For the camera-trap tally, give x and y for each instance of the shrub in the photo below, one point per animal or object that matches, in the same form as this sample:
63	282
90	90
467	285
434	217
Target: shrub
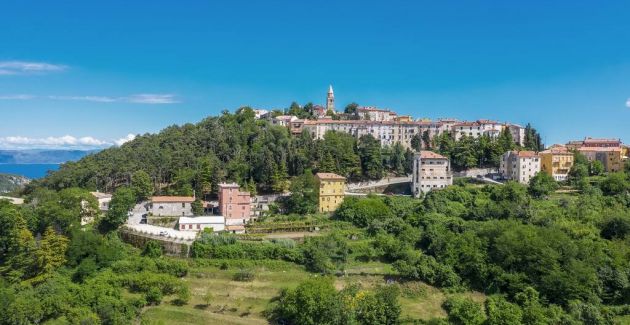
153	296
152	249
464	311
244	275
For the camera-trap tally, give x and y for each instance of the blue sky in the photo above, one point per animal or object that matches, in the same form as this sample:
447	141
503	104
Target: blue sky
87	73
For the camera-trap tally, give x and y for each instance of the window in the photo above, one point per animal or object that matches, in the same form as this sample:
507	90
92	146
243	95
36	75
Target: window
190	226
198	226
183	205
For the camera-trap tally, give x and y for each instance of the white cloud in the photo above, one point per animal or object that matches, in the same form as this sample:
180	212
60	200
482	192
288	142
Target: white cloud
628	102
153	99
16	97
122	141
24	67
62	142
99	99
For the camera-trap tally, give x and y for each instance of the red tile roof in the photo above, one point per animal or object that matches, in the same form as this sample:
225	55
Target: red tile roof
600	149
330	176
526	154
557	149
173	199
430	155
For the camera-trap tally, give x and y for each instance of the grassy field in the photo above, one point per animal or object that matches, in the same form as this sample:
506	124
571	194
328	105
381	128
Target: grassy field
235	302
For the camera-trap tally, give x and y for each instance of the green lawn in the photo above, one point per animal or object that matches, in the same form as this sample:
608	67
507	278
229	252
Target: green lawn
236	302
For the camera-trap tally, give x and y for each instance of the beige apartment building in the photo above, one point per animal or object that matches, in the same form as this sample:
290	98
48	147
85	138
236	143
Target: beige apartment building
431	171
520	166
557	162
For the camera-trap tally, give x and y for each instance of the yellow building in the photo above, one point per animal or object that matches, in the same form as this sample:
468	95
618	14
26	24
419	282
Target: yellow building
331	191
557	162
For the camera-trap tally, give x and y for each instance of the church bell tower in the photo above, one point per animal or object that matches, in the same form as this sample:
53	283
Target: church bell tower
330	100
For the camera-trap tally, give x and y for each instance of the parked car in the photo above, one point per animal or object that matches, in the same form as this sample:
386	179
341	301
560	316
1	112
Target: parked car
163	233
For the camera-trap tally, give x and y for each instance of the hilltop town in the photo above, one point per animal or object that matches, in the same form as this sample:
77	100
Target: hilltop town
207	221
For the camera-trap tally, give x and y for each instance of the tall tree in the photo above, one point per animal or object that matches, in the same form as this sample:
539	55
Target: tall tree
370	155
120	205
141	185
51	252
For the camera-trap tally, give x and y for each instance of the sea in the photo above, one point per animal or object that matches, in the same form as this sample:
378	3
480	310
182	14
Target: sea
32	171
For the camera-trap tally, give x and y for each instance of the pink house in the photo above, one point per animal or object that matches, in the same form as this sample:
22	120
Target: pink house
234	205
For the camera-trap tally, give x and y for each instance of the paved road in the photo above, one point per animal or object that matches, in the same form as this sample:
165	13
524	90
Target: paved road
382	182
133	224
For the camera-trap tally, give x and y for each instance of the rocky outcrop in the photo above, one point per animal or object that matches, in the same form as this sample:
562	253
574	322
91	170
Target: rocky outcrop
9	183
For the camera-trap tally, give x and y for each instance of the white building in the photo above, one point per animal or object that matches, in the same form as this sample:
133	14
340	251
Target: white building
520	166
431	171
171	206
217	223
260	113
103	200
375	114
283	120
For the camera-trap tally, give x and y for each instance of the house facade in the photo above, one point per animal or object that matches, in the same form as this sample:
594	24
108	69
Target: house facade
431	171
217	223
103	200
556	162
171	206
331	192
234	204
611	157
520	166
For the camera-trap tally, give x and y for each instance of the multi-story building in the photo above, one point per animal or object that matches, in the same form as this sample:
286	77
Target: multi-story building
431	171
519	166
388	133
517	132
234	206
611	157
283	120
557	162
103	200
610	152
601	143
594	143
376	114
332	189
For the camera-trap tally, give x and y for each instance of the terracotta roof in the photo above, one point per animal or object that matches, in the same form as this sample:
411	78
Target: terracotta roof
467	124
526	154
600	149
173	199
595	140
330	176
557	149
430	155
374	109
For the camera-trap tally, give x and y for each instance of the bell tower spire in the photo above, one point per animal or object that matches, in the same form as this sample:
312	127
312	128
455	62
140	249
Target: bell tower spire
330	100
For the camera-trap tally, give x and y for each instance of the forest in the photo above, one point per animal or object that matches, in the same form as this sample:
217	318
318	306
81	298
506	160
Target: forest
540	257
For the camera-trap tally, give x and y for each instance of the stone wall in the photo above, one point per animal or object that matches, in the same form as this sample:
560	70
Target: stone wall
171	248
